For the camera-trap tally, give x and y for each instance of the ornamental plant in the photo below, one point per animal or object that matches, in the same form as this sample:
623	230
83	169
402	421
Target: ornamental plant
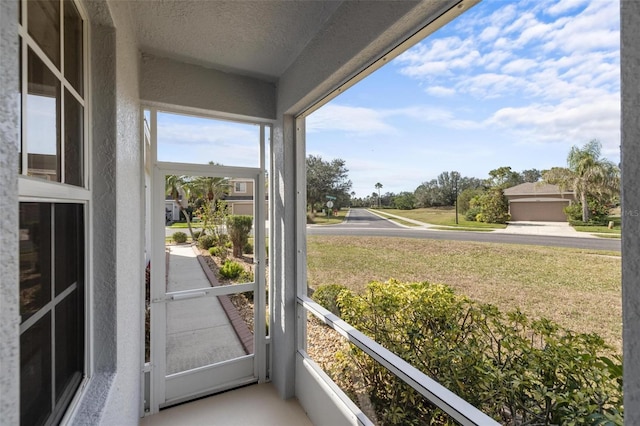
517	370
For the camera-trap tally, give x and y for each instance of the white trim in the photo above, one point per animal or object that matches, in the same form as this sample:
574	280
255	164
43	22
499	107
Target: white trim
203	113
301	229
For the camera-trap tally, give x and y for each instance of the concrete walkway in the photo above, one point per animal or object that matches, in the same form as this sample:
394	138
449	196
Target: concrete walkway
199	332
556	229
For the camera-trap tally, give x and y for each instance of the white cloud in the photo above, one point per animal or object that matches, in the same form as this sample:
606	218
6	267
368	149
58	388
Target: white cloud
440	91
566	67
348	119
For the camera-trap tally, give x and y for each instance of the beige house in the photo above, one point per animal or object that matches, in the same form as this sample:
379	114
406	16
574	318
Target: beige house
538	202
241	196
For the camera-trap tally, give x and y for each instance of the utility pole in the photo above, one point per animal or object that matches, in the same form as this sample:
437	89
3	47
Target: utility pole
455	189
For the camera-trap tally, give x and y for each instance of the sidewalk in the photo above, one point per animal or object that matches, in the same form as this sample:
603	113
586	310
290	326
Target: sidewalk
199	332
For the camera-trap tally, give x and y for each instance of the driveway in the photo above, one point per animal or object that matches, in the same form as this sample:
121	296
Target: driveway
557	229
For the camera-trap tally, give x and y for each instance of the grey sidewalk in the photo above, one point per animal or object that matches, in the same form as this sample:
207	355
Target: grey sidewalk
199	332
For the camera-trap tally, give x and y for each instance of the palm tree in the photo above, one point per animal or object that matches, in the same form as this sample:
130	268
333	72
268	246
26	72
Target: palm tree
588	175
378	187
210	190
177	187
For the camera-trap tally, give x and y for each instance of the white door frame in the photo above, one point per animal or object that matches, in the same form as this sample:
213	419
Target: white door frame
168	390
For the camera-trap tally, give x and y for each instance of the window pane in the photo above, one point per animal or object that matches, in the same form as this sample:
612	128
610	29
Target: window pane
43	129
35	373
69	345
44	26
35	257
69	232
73	46
73	140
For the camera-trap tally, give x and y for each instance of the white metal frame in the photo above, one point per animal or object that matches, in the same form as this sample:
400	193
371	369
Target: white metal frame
168	390
31	189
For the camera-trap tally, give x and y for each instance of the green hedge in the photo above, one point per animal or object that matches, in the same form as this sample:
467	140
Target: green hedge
517	370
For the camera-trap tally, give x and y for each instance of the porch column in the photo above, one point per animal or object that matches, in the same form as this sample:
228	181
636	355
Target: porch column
630	91
283	222
9	265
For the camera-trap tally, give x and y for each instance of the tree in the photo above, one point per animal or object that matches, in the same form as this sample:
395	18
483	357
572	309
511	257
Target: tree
504	177
326	178
531	175
591	177
239	227
209	190
378	187
404	201
177	187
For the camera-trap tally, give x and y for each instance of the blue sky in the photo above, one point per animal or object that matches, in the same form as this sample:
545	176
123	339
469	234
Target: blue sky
509	83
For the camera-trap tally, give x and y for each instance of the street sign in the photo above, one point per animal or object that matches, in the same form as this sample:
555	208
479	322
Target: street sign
329	203
329	197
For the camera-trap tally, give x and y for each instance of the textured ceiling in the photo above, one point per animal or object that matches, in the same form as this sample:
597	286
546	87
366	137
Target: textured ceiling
255	38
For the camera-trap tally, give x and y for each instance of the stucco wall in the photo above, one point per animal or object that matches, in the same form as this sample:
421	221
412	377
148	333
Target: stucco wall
123	405
166	81
9	113
630	69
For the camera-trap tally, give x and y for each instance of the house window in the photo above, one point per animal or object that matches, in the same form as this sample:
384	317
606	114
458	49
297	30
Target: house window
52	218
51	309
53	113
240	187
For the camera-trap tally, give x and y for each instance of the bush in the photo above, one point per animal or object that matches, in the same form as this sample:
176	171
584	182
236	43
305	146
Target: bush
239	228
599	213
248	248
231	269
494	207
516	370
472	213
179	237
327	296
205	242
218	251
196	235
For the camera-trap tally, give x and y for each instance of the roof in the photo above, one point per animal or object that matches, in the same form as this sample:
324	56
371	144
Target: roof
535	188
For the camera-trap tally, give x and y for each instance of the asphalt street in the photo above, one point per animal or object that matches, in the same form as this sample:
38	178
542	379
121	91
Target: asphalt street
362	223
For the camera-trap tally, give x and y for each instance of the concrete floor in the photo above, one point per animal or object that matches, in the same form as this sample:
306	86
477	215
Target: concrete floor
251	405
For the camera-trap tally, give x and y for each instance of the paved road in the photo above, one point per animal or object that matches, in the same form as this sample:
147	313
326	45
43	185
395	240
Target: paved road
363	223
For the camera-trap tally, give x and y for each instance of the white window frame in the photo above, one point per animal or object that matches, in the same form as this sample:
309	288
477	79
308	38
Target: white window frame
242	186
32	189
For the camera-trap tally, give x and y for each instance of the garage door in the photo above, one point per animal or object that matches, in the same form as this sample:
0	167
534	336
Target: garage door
548	211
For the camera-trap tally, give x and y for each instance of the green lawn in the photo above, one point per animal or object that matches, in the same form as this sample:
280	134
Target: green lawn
183	225
616	230
580	289
443	216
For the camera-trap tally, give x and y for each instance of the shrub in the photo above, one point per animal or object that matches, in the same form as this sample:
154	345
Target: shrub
231	269
248	248
494	207
516	370
196	235
238	227
599	213
179	237
472	212
327	296
205	242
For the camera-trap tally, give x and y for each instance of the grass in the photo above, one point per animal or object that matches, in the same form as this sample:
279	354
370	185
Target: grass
183	225
616	230
443	216
395	219
320	219
579	289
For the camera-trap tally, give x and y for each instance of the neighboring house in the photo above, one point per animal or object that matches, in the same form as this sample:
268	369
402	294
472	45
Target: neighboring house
83	72
538	202
240	198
